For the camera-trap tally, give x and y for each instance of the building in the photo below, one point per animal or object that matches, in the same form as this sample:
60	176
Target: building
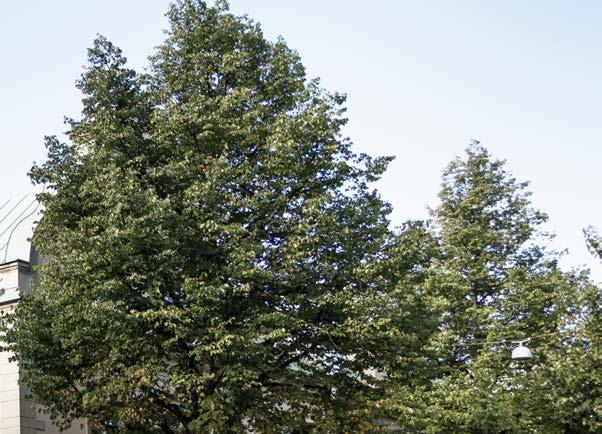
17	414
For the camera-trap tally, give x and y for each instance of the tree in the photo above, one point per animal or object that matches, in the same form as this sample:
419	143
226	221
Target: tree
213	247
499	283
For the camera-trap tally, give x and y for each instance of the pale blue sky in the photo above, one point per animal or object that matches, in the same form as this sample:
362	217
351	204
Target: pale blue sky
423	79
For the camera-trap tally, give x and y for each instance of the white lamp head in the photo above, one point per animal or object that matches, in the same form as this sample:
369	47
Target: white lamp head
521	352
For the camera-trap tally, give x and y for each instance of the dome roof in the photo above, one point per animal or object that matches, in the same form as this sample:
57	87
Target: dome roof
17	220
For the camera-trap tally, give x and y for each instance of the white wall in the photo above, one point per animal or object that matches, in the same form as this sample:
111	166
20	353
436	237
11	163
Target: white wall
18	415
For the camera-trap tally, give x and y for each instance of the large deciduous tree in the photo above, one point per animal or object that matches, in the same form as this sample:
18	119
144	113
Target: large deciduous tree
498	282
214	247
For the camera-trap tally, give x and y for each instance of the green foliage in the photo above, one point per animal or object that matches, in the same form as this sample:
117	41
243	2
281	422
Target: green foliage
485	223
497	282
594	241
216	252
218	262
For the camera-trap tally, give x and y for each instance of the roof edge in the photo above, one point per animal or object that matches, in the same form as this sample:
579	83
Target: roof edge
17	263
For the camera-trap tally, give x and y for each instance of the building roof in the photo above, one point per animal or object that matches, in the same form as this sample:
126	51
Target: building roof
17	219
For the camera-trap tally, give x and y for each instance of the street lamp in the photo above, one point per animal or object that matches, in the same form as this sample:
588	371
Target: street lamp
521	352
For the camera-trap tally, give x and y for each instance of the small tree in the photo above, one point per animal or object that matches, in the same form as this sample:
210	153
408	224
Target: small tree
213	246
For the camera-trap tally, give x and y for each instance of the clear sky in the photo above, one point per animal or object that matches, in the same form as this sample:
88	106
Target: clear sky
423	79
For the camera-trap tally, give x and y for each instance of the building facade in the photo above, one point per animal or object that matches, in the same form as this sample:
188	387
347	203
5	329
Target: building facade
18	415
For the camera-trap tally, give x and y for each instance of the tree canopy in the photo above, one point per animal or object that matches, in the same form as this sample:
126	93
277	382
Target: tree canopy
213	247
218	261
499	283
